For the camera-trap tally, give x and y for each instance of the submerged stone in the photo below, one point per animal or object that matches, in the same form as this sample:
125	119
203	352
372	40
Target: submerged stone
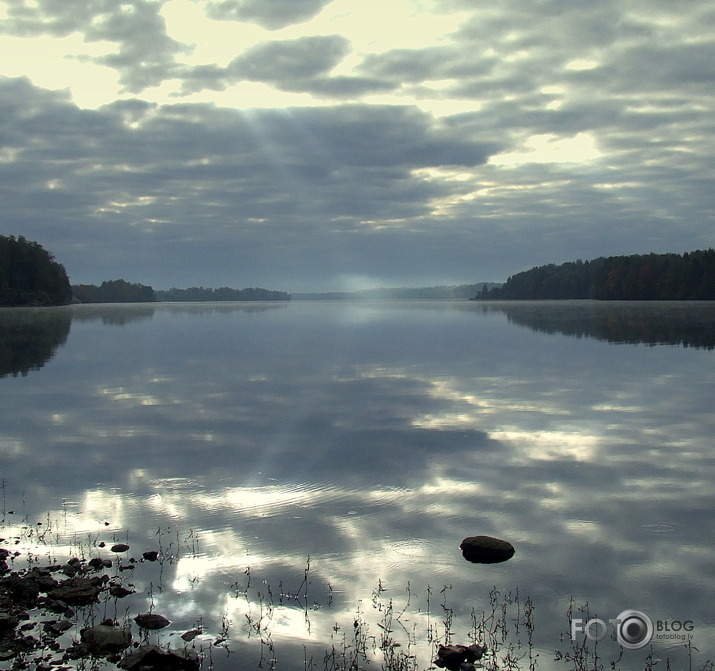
57	627
78	591
191	634
151	621
97	563
8	621
120	591
486	550
153	658
105	639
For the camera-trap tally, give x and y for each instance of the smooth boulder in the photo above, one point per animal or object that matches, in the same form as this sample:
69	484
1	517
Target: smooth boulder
486	550
151	621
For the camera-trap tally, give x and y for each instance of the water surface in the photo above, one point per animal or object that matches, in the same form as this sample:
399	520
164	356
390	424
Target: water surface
304	467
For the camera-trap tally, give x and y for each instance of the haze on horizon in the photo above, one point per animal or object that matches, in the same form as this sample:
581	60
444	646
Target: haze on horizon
317	145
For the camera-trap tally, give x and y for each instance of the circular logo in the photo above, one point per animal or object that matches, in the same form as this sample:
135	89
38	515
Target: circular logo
634	629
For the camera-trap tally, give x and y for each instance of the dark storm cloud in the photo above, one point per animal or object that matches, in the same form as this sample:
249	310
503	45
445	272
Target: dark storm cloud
300	65
140	135
342	87
519	48
417	65
625	75
278	61
271	14
380	191
211	178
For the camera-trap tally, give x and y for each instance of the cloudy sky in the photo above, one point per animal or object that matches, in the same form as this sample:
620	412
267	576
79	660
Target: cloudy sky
341	144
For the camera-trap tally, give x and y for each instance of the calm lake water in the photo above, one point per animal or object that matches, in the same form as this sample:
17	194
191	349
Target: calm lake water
308	470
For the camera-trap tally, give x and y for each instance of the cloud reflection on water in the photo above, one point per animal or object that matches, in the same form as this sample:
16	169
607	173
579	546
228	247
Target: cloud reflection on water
374	446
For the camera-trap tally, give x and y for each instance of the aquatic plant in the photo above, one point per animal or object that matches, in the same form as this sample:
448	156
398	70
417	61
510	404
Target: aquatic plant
396	629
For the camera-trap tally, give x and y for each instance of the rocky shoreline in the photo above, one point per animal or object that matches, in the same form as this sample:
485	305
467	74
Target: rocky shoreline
52	615
43	608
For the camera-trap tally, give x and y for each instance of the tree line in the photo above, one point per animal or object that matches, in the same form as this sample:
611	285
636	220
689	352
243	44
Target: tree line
688	276
29	275
221	294
113	291
121	291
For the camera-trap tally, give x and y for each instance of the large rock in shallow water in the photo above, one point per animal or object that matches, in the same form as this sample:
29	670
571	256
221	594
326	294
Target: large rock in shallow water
151	621
486	550
78	591
105	640
152	658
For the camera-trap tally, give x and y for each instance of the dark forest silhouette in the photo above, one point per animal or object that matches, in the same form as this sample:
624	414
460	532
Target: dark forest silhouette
114	291
221	294
689	276
29	275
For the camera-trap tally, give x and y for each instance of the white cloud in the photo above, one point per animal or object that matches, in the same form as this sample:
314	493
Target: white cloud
212	40
62	63
548	148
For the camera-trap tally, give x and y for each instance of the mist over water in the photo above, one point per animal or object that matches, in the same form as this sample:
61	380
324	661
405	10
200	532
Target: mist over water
308	465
